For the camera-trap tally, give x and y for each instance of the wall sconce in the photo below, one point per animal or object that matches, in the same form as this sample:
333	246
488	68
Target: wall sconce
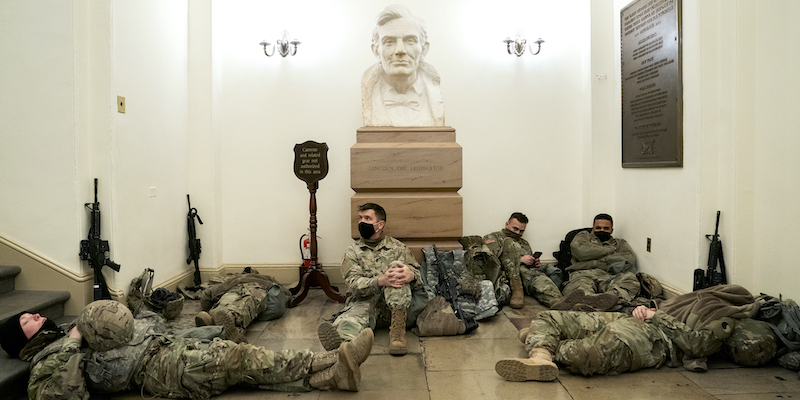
519	45
285	47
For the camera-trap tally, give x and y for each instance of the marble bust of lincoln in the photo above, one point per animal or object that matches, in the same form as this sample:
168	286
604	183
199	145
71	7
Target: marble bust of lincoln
401	89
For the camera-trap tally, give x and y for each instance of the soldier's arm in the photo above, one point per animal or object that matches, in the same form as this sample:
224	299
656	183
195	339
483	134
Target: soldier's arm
583	249
360	281
624	253
700	342
60	374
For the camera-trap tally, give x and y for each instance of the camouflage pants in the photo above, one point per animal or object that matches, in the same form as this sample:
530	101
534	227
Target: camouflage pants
196	369
375	311
596	280
510	255
597	342
540	286
243	302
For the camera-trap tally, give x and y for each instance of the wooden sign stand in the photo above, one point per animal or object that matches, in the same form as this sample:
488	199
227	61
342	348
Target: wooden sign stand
311	165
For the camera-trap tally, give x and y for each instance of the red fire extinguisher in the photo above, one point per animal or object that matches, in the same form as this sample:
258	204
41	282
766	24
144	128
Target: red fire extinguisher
305	249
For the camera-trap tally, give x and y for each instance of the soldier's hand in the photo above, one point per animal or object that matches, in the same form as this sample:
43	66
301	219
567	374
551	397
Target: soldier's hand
527	260
390	278
643	313
403	273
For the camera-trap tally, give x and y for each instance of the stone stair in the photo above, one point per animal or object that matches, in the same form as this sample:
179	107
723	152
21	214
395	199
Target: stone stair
14	372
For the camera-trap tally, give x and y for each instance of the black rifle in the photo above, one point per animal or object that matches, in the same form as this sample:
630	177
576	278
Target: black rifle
712	277
94	250
448	288
194	242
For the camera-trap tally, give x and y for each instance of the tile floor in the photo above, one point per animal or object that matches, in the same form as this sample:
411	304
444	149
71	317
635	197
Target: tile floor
462	367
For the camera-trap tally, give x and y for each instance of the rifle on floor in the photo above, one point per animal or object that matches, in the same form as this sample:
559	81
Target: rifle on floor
194	242
712	277
94	249
448	288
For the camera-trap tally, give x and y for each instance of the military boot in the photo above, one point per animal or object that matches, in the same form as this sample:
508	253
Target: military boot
517	293
343	375
231	331
362	345
203	319
523	334
595	302
324	360
397	332
328	336
538	367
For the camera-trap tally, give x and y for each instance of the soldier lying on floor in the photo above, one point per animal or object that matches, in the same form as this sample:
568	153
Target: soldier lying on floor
611	343
236	300
126	353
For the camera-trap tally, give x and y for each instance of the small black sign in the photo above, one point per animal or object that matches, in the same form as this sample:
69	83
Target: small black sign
311	161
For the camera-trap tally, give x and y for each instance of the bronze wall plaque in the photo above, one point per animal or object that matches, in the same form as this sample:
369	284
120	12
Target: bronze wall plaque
311	161
652	95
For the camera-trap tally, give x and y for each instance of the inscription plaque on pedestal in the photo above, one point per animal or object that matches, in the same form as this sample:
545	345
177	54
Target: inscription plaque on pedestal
652	98
415	174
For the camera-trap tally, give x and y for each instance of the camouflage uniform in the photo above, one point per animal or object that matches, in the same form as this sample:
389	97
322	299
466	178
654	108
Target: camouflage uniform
243	296
599	267
534	281
611	343
166	366
369	305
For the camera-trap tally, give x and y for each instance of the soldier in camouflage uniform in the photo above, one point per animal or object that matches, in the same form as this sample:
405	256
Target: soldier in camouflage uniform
519	264
236	300
603	270
186	365
384	283
608	343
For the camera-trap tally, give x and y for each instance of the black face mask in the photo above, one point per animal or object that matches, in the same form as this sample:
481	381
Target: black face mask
603	236
49	326
511	234
366	230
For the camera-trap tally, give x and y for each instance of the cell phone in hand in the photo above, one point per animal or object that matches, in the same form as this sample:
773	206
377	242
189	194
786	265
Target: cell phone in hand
537	254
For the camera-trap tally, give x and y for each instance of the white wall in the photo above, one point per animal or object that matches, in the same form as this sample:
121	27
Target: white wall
150	142
776	135
37	115
209	114
740	136
520	120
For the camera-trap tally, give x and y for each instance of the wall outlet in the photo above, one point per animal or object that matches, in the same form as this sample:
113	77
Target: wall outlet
120	104
649	242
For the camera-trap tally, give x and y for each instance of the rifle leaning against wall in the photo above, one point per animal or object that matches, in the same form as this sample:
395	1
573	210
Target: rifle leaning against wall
194	242
448	288
94	249
712	277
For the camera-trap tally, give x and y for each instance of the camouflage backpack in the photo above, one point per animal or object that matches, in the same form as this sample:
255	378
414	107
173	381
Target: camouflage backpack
141	296
783	316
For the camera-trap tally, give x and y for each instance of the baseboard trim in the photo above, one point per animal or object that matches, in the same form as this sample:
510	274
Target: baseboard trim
671	291
46	261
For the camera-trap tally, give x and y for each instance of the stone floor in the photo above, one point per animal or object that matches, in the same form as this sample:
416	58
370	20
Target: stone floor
463	367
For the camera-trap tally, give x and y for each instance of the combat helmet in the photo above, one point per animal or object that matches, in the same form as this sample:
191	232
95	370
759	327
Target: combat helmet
105	324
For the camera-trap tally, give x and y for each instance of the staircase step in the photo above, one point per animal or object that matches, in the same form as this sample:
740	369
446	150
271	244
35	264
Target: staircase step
7	275
48	303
